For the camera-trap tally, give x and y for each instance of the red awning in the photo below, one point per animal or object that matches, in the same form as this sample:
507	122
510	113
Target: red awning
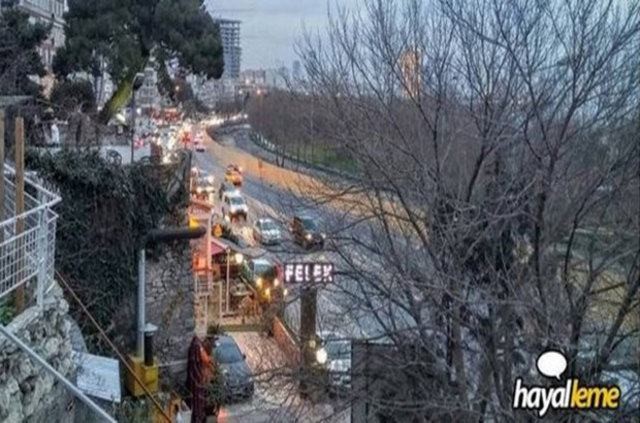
217	249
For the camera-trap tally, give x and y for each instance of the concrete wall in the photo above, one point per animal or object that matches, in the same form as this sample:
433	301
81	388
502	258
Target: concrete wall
170	306
27	392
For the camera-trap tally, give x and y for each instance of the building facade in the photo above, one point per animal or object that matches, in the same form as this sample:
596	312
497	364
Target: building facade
148	96
411	68
230	36
49	12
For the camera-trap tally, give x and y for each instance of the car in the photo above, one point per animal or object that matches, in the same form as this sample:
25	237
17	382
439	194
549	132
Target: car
262	275
233	177
234	207
236	374
338	363
199	146
306	231
227	189
266	231
203	185
233	174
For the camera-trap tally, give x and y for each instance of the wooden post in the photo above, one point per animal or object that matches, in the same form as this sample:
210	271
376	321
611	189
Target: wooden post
19	158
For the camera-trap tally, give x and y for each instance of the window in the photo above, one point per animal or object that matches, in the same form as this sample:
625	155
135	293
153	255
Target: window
228	353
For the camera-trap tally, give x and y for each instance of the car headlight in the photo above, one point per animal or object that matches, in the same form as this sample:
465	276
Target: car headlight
259	282
276	282
324	236
210	179
199	190
308	237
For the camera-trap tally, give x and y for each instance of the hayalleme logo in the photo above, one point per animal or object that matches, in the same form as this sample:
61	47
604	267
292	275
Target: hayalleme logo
570	395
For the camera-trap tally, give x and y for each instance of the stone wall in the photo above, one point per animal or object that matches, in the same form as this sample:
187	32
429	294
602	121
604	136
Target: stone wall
28	393
170	306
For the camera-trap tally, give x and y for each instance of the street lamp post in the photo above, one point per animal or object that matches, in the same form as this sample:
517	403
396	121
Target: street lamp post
155	236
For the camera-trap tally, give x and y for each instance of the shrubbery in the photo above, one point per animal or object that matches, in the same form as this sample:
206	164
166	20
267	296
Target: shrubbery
105	212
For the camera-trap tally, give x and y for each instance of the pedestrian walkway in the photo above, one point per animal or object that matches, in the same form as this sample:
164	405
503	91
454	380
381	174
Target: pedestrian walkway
276	396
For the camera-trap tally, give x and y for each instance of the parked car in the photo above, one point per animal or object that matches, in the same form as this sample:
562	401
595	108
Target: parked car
236	375
262	275
233	174
306	231
266	231
204	185
227	188
338	363
234	207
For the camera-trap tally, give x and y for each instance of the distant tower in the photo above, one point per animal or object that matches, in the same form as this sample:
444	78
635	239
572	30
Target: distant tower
230	36
411	69
296	70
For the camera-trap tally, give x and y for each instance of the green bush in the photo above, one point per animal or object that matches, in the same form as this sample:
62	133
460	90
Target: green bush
73	96
6	311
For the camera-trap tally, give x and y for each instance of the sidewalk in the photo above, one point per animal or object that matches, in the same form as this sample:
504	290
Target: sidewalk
276	397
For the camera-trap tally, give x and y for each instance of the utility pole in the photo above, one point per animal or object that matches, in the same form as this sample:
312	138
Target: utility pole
310	344
156	236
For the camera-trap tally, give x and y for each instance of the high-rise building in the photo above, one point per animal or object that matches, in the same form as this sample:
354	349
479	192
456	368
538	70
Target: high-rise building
230	36
296	71
411	68
148	96
49	12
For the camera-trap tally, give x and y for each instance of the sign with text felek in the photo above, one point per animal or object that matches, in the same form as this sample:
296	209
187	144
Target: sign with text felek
308	272
98	376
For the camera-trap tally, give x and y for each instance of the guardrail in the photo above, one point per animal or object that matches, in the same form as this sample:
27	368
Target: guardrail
27	240
270	147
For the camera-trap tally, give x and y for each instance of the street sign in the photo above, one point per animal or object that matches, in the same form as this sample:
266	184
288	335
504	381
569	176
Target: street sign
308	272
98	376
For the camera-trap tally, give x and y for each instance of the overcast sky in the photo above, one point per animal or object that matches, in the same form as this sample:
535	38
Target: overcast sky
270	28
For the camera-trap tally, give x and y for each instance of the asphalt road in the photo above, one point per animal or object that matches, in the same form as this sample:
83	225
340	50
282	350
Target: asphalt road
335	303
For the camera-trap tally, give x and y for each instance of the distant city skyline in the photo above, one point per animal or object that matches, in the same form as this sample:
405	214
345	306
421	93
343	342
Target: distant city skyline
270	28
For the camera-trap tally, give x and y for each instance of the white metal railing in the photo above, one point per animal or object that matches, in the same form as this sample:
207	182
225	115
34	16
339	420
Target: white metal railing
27	240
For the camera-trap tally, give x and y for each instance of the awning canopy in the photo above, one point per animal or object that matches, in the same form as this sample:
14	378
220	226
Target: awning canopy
220	245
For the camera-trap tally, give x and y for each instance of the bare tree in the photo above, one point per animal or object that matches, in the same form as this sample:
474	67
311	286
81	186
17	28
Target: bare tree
496	213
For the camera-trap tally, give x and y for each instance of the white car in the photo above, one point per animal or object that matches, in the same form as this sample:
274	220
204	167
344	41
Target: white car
266	231
338	363
235	207
204	184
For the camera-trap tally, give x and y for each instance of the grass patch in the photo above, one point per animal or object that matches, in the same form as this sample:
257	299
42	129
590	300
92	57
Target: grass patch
7	311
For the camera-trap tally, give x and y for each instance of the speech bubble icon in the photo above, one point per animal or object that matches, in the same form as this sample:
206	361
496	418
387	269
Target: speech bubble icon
551	363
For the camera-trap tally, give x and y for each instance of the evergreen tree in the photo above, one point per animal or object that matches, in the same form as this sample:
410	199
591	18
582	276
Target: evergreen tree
125	34
19	57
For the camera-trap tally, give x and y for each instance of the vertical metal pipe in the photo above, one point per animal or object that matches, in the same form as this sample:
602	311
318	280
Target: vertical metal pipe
226	306
133	120
141	303
2	170
43	252
19	160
